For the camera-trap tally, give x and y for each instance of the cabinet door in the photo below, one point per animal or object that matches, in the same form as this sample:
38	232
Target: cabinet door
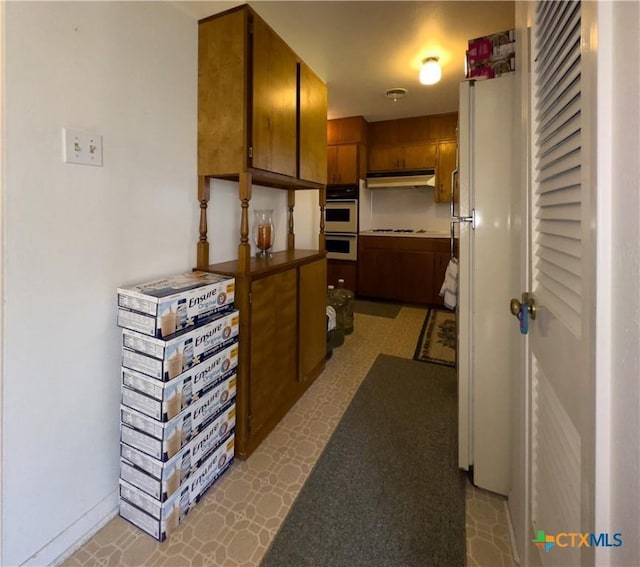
385	158
383	132
274	123
420	155
273	351
342	164
443	126
351	130
417	155
446	165
312	295
313	127
396	269
378	275
415	276
342	269
222	94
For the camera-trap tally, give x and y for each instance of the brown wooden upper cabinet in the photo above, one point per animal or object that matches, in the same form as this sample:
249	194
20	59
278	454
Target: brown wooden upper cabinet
409	143
444	169
392	157
342	164
313	127
350	130
260	108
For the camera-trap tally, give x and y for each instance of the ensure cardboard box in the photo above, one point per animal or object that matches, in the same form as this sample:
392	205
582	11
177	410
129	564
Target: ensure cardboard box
163	440
165	478
164	400
167	359
198	448
492	55
159	519
162	307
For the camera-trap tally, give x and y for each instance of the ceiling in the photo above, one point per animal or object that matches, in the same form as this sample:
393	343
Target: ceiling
362	48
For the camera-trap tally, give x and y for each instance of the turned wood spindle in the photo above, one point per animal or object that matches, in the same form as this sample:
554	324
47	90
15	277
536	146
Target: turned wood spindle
322	201
291	237
202	256
244	248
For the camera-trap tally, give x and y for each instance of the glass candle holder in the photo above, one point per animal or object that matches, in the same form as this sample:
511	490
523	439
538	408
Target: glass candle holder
263	232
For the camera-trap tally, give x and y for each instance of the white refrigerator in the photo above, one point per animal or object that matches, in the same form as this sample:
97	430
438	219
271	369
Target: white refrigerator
488	273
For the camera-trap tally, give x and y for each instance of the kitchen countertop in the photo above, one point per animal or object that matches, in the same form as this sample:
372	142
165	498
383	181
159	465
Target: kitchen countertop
425	234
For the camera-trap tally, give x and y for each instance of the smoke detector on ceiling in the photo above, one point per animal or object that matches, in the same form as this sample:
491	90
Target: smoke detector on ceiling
396	93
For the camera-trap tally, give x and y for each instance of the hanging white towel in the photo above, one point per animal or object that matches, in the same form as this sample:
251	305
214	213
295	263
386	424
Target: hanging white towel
449	289
331	314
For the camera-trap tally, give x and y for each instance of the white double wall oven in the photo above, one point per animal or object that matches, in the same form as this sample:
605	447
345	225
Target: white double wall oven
341	222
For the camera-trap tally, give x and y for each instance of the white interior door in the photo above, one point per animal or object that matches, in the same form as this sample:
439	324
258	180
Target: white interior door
560	388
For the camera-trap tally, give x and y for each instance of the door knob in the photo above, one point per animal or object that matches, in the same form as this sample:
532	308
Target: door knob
515	306
523	310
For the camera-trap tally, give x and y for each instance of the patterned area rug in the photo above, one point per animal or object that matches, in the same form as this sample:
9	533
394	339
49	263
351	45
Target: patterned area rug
437	342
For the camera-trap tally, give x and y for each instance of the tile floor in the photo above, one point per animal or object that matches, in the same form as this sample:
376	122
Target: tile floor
237	519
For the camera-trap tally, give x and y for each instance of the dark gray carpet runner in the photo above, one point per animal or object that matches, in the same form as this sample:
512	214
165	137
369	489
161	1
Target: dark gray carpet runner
386	491
376	308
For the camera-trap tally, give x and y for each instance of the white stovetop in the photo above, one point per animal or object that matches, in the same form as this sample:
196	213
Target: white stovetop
414	234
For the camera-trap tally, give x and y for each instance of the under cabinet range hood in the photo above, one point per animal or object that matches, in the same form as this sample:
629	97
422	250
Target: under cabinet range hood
401	179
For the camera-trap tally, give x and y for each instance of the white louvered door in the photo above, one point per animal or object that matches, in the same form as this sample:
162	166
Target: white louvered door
562	272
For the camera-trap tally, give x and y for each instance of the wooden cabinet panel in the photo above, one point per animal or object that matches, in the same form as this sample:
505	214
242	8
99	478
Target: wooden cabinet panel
443	126
382	133
282	346
413	143
350	130
428	128
312	319
274	102
342	269
446	165
342	164
273	336
384	158
222	94
261	110
313	127
401	269
398	275
418	155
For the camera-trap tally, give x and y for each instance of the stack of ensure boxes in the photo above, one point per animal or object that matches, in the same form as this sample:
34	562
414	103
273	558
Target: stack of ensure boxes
179	360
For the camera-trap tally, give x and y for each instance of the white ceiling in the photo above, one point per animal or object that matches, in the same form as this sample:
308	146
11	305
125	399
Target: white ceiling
362	49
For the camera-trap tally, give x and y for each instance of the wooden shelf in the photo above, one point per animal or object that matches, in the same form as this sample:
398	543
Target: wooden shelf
265	266
269	179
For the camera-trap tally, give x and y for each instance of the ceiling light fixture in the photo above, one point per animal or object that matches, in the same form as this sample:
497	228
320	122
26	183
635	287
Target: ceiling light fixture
430	72
396	93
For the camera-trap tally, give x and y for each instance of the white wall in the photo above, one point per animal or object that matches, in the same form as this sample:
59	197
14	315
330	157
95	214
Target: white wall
223	218
74	233
402	208
127	71
624	255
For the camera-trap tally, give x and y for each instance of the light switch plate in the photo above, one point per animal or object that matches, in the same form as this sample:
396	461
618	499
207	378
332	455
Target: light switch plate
81	147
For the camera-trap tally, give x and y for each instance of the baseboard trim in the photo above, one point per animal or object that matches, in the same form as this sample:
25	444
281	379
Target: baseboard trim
512	534
67	542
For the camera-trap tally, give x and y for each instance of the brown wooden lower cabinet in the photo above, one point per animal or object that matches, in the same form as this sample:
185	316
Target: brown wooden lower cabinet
403	269
342	269
282	344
